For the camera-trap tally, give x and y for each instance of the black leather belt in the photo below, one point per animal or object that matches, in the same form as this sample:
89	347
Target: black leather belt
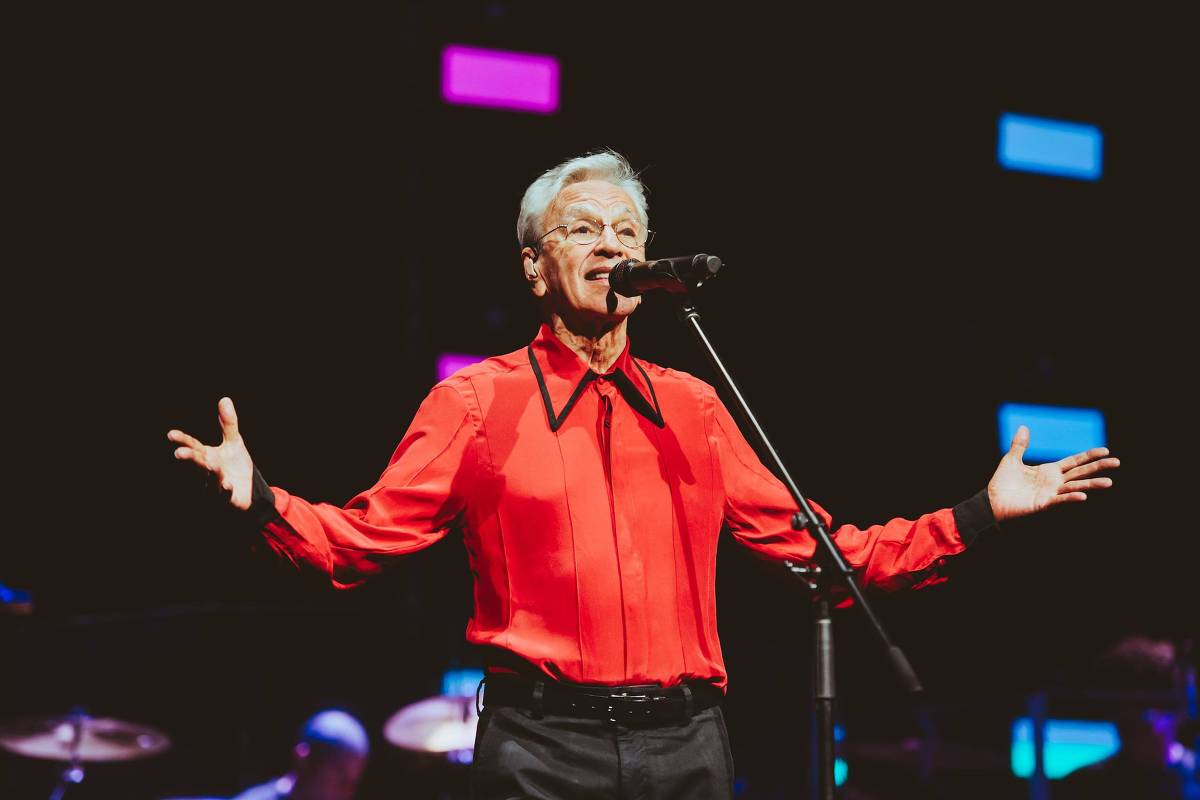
631	706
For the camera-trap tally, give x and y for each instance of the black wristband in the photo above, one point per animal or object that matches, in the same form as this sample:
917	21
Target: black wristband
974	518
262	504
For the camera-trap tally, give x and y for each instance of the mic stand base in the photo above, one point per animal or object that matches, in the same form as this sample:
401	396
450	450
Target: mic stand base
824	687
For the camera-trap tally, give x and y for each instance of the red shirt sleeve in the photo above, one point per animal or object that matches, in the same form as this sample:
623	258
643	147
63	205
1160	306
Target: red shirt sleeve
758	511
412	505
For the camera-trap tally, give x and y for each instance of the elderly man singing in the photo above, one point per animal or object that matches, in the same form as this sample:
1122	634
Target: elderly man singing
590	488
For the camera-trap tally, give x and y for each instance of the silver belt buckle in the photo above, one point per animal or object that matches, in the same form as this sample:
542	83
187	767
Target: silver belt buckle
629	698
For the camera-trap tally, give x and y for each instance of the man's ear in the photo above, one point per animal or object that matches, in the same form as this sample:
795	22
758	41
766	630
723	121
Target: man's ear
533	276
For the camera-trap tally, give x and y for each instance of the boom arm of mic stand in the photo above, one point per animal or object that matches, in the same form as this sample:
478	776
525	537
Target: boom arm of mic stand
805	518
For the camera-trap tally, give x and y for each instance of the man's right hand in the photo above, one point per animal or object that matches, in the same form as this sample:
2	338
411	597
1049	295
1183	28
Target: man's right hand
228	463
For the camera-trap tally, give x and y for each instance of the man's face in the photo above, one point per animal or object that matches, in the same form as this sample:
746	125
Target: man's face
572	278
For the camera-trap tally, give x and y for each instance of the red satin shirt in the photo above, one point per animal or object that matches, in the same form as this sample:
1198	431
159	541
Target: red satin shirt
590	506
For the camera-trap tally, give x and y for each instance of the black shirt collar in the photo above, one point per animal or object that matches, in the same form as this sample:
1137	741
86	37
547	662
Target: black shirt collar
565	377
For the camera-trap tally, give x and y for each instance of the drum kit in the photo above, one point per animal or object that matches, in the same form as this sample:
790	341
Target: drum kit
76	739
443	725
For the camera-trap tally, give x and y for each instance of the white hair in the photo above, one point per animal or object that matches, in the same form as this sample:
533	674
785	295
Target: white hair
605	165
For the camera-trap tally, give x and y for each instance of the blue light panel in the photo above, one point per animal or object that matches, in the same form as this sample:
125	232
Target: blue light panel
1070	744
841	770
461	682
1051	147
1054	431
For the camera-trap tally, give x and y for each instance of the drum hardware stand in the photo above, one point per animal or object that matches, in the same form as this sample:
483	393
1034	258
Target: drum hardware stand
72	774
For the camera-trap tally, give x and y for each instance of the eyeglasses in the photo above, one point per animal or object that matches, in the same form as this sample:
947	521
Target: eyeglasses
588	231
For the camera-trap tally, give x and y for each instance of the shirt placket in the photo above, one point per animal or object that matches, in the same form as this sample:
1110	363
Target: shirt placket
630	575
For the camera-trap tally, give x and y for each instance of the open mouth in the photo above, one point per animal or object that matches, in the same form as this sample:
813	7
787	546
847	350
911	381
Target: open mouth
598	274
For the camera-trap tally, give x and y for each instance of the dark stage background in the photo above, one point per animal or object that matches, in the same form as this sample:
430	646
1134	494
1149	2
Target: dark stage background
276	205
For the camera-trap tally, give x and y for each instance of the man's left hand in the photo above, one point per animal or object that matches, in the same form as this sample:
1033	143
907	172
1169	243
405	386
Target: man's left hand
1017	489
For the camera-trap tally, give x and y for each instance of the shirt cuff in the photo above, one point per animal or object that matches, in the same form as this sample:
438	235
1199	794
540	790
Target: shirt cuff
262	510
974	517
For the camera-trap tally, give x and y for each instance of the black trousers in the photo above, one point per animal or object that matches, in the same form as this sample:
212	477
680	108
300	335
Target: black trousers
567	758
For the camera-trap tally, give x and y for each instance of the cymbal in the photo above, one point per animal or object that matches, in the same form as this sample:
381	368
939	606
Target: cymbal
82	737
438	724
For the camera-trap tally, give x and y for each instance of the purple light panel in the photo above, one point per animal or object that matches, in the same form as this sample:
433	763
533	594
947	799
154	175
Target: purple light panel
450	363
472	76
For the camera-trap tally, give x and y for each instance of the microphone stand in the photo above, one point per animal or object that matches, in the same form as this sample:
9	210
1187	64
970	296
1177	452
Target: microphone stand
820	579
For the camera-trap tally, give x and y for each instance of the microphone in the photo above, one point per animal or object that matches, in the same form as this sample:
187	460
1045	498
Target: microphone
677	275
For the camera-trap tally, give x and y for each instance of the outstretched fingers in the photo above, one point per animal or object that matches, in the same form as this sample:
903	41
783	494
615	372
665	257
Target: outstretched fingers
190	454
1067	497
1091	468
227	416
192	449
1083	486
1020	442
185	439
1075	491
1079	459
